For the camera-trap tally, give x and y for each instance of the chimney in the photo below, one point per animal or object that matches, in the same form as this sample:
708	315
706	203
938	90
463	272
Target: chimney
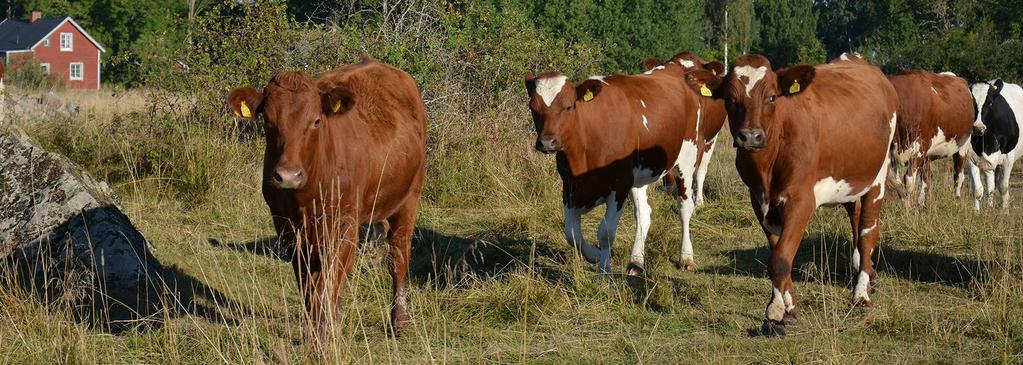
36	15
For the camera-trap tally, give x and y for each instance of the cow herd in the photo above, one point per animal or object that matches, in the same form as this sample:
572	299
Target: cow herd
348	150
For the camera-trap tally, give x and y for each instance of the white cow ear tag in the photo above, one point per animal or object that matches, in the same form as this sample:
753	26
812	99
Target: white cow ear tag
795	87
245	110
705	91
588	95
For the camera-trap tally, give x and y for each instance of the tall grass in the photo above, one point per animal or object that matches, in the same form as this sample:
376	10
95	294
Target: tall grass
492	278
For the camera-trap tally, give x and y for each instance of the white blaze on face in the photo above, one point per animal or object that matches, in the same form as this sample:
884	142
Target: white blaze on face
549	87
598	78
650	71
754	75
979	91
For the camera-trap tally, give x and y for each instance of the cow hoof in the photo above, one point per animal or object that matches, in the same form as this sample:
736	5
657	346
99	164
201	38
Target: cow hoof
686	264
399	319
769	328
634	269
790	319
860	302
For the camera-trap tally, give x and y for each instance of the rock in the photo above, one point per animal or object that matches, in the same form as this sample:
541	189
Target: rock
65	234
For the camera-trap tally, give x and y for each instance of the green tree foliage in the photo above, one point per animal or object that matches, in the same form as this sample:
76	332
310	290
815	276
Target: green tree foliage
788	32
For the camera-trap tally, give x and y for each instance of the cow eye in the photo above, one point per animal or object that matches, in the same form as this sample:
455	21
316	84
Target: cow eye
317	123
770	99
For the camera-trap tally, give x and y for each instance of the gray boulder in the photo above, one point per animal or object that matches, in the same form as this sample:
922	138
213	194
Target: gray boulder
63	234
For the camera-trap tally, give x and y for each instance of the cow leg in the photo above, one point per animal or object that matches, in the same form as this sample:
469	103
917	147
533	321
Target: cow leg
975	184
854	220
989	175
760	210
912	168
607	232
925	180
642	211
1003	182
338	261
687	206
870	222
701	172
781	310
402	227
958	165
574	234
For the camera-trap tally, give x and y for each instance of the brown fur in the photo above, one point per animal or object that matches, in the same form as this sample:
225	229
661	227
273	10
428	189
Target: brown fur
714	115
842	110
600	142
927	102
363	164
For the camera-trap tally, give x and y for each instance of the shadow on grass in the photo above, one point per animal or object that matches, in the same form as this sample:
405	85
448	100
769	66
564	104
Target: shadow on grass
97	268
266	246
826	256
448	260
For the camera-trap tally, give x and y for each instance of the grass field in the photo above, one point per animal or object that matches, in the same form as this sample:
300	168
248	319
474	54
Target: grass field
495	282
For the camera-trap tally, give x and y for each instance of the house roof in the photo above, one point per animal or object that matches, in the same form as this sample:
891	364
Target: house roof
22	35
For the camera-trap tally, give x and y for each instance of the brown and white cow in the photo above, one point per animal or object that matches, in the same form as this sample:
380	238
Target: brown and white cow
342	151
935	121
809	136
613	136
713	118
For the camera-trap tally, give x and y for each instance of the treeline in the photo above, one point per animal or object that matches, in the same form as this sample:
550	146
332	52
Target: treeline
976	39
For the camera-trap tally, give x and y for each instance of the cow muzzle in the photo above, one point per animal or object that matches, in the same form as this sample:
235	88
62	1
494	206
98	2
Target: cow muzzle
548	144
979	128
751	139
289	178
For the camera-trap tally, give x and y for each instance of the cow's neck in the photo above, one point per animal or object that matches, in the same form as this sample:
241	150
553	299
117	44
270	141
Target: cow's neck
574	145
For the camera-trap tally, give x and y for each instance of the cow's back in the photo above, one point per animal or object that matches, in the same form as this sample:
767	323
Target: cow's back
852	109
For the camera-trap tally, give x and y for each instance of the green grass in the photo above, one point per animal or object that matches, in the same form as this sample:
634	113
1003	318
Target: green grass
495	282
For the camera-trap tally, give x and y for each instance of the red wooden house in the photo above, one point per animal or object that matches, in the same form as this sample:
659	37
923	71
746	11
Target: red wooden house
61	46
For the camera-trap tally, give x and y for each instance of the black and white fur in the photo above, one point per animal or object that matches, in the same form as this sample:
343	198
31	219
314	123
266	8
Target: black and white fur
995	140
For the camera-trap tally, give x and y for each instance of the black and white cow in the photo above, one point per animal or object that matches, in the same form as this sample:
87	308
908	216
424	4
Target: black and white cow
995	139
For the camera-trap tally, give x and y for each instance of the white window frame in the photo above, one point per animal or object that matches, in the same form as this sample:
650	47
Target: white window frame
46	42
46	67
81	71
70	42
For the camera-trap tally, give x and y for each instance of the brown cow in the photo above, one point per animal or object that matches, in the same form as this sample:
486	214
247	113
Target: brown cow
342	151
935	121
612	137
713	119
809	136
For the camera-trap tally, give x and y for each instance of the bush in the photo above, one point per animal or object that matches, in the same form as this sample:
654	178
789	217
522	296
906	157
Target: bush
28	74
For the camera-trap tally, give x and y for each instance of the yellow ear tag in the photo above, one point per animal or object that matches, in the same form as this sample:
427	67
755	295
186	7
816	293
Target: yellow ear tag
705	91
795	87
245	110
337	106
588	95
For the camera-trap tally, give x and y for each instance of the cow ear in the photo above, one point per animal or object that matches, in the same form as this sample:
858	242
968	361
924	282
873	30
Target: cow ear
705	83
716	68
245	102
795	79
650	63
338	100
530	81
997	86
587	90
